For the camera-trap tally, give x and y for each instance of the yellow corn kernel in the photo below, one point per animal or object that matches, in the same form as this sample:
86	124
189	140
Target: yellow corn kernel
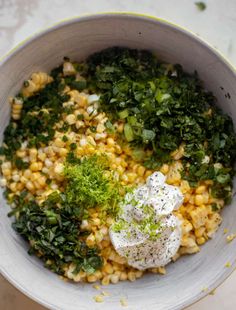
13	187
161	270
187	197
98	298
208	182
98	236
63	152
231	237
71	119
106	252
33	152
100	128
98	274
15	177
90	241
199	232
6	165
34	166
114	278
30	186
21	153
205	196
140	171
199	216
186	227
81	100
106	280
91	278
42	156
200	189
131	177
120	170
120	127
108	268
189	250
188	242
90	149
96	221
184	186
138	274
198	200
226	230
118	149
164	169
3	182
131	276
59	143
20	186
59	168
123	276
6	172
123	302
96	287
213	223
201	240
124	164
42	180
124	178
147	173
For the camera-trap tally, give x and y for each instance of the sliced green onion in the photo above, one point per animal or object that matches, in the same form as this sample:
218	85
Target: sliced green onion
123	114
128	131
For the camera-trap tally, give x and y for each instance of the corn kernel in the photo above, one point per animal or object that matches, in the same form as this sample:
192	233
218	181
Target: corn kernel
3	182
123	302
90	241
30	186
71	119
201	240
105	280
123	276
200	189
164	169
114	278
98	298
131	276
140	171
198	200
91	278
108	268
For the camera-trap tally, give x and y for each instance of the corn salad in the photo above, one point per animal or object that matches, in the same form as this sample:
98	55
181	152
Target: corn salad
42	172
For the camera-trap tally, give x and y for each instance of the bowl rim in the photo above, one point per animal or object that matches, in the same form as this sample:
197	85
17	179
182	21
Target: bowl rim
101	15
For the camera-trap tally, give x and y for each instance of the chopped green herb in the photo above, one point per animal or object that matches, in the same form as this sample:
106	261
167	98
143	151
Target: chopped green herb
54	233
80	116
200	5
64	138
163	109
73	146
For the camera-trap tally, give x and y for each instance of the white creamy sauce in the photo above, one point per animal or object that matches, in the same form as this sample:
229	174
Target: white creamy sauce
146	232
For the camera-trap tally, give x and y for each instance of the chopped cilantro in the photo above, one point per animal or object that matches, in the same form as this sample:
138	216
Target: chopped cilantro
200	5
162	109
54	234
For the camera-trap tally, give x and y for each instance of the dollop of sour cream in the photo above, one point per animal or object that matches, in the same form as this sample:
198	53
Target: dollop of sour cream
146	231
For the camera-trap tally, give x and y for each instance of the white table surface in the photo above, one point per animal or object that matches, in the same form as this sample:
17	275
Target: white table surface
217	24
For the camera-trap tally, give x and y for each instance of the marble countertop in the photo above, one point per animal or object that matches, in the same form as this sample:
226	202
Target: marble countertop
217	25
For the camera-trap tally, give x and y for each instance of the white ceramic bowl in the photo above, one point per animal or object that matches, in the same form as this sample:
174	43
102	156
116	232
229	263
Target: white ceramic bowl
78	38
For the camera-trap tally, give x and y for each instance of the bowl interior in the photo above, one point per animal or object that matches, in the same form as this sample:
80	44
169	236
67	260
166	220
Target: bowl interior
77	39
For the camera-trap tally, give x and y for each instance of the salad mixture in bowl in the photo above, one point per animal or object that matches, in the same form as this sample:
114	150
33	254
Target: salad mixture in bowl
116	166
